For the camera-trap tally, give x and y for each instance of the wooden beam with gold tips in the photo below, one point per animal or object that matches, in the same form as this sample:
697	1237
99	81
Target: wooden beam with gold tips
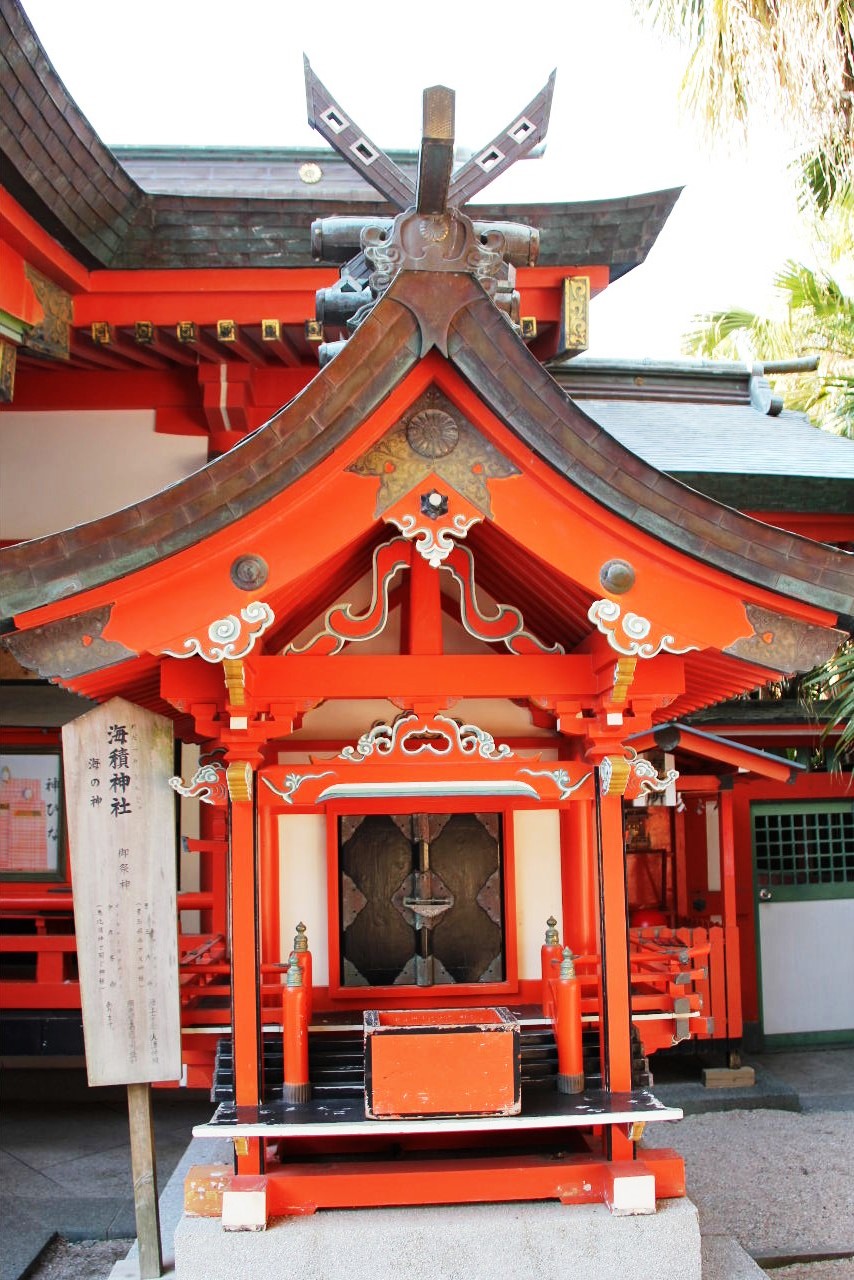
574	333
235	681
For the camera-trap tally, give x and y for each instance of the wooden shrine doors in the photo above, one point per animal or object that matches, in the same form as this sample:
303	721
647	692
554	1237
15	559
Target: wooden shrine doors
421	899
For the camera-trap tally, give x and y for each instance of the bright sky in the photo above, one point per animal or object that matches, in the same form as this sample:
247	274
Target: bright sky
206	72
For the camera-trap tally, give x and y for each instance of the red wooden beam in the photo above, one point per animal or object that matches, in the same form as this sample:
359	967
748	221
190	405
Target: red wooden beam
402	677
205	296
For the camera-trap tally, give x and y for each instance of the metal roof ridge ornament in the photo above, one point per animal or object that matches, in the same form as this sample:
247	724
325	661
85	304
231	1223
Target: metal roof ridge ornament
430	232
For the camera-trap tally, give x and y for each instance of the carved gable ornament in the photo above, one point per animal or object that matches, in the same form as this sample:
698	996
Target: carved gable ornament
434	441
425	755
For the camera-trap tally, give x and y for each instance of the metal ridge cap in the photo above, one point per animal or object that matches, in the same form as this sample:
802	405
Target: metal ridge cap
666	367
628	202
177	151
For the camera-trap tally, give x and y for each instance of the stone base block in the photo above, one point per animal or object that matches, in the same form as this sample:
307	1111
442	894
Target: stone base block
244	1205
500	1242
630	1188
729	1077
724	1259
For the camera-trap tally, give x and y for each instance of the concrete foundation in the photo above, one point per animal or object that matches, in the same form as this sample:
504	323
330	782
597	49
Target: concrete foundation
454	1242
724	1259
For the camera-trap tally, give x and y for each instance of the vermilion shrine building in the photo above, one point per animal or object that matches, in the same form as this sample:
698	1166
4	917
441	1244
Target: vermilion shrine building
425	634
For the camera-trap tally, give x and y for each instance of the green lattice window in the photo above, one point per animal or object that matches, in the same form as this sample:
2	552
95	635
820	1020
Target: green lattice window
804	845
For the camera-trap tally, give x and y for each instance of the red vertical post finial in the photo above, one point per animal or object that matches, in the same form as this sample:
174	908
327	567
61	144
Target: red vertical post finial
570	1054
296	1086
550	956
304	957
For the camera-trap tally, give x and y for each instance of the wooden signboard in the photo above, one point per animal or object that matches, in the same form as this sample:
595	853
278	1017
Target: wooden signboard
121	832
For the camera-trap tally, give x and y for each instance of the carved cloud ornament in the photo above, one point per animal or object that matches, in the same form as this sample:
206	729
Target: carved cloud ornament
229	637
631	776
630	634
208	783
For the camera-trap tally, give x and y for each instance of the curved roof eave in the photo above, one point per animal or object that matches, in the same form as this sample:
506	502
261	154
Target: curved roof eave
78	190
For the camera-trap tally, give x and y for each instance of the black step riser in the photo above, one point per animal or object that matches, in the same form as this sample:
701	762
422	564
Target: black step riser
336	1064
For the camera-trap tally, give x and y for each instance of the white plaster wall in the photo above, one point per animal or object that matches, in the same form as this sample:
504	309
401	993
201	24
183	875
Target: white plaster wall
537	846
64	468
302	879
798	942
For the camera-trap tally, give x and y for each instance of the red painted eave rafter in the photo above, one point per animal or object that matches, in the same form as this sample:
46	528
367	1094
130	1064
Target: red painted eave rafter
35	246
243	294
541	288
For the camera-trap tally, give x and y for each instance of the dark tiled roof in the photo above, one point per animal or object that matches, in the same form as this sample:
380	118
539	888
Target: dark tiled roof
726	439
490	356
273	173
191	231
54	162
713	425
60	171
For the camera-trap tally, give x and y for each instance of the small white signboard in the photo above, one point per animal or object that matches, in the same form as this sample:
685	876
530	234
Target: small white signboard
122	844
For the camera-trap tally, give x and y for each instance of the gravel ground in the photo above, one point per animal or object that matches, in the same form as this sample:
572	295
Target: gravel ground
839	1269
88	1260
776	1180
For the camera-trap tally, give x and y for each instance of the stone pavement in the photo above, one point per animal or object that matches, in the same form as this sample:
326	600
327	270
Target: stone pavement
65	1161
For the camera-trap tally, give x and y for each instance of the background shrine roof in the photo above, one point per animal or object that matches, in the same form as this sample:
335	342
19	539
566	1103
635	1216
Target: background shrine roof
717	427
229	208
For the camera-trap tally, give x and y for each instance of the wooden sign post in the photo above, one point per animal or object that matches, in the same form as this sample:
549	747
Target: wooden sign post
121	830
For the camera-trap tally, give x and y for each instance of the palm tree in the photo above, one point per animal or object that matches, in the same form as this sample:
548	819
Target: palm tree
833	684
793	62
819	321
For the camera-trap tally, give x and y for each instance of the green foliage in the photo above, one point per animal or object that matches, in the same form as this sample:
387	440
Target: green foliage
791	62
833	684
818	321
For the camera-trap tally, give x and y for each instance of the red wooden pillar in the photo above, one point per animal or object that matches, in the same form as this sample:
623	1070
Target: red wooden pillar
731	939
213	870
616	1003
579	883
268	853
424	609
245	973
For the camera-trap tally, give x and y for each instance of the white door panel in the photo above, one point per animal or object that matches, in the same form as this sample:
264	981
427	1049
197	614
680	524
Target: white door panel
807	951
